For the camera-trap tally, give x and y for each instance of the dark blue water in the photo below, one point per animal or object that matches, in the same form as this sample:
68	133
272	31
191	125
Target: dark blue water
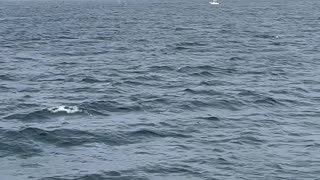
138	90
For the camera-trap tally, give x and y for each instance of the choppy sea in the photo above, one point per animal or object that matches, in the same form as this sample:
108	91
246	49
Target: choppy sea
159	90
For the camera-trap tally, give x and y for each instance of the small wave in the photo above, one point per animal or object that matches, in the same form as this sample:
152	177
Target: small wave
6	78
172	169
210	118
223	161
137	83
141	40
194	105
148	78
202	74
110	175
46	114
59	137
146	133
236	58
183	29
29	116
249	139
314	145
4	88
17	147
278	44
197	104
267	101
188	69
14	144
158	101
91	80
267	36
67	109
248	93
66	37
190	44
152	133
259	99
162	68
26	138
180	48
203	92
230	104
24	58
103	38
216	83
110	106
64	110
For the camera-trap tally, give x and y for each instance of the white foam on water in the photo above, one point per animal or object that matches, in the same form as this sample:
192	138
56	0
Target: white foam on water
67	109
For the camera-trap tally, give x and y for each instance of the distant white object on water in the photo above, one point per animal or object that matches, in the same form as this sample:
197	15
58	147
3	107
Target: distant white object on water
214	2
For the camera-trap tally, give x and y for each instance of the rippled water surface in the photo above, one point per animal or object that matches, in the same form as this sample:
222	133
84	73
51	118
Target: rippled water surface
170	89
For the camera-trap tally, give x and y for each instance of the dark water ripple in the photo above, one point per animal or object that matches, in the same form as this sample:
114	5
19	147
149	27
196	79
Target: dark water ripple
159	90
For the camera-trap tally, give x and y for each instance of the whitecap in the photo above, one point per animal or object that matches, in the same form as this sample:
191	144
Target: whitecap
67	109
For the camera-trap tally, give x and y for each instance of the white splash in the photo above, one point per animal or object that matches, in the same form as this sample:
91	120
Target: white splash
67	109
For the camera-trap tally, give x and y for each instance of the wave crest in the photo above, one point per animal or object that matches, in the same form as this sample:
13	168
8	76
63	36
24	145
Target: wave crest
67	109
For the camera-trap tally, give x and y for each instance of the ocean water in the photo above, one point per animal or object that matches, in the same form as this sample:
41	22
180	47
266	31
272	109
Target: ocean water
159	90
